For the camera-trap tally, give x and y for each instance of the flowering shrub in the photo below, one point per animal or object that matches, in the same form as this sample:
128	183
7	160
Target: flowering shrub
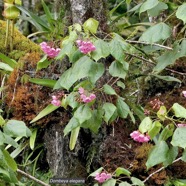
85	46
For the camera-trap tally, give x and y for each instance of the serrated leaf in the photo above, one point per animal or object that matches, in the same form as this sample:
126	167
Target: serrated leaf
73	137
72	124
109	90
158	154
109	110
145	125
180	13
179	137
91	25
168	78
147	5
102	50
50	108
179	110
122	108
156	33
118	69
16	128
121	170
83	113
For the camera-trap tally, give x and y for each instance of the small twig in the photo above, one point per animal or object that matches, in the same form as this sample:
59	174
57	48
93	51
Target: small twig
32	177
147	43
160	169
150	61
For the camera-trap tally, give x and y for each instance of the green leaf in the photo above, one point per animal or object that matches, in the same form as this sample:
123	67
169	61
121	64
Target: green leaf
180	13
43	63
2	121
2	139
158	154
183	158
155	11
16	128
179	137
145	125
44	82
39	23
8	61
179	110
33	138
71	100
137	181
167	78
156	33
155	129
72	124
19	149
91	25
122	108
73	138
94	122
5	67
48	14
10	141
50	108
167	132
109	110
9	160
84	67
121	84
83	113
109	90
118	69
97	171
110	182
102	50
171	156
147	5
121	170
162	112
124	184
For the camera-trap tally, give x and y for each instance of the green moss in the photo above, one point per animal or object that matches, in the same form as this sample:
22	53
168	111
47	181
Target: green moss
21	45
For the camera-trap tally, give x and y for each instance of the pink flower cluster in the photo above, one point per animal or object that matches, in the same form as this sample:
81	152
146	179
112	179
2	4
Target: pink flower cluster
181	125
55	101
102	177
137	136
184	93
49	51
85	46
84	97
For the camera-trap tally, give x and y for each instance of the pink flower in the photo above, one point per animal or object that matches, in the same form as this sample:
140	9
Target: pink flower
51	52
55	101
184	93
84	97
85	46
102	177
137	136
81	90
181	125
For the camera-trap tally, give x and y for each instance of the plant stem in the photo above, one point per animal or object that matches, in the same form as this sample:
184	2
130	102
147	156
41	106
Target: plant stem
32	177
7	32
11	35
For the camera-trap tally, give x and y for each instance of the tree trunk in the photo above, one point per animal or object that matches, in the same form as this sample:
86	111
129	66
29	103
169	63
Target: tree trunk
63	162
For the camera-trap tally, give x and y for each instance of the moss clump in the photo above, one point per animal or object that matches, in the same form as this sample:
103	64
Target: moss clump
21	45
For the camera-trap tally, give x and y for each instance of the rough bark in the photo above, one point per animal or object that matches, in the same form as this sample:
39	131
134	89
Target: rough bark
63	162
